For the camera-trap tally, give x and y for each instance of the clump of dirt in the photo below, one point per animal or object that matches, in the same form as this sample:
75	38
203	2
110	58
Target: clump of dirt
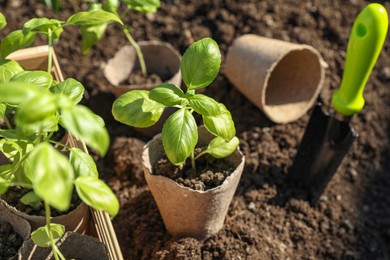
10	241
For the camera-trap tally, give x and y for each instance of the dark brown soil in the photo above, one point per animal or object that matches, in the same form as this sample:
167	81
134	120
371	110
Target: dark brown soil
268	219
138	78
209	173
13	195
10	241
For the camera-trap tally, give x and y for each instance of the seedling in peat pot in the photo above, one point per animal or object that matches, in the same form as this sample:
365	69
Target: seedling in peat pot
141	108
33	107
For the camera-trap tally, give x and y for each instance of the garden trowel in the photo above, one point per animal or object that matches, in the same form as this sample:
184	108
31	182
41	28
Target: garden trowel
328	135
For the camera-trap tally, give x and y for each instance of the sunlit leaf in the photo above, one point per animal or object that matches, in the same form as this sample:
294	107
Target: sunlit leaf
179	136
204	105
14	41
96	194
135	108
70	88
41	236
43	25
8	68
83	164
200	63
84	125
221	125
51	175
143	6
31	198
3	21
219	148
39	78
93	18
167	94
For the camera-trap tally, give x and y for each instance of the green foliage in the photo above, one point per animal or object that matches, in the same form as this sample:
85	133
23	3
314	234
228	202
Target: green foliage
141	108
200	64
143	6
3	21
53	4
43	236
16	40
34	106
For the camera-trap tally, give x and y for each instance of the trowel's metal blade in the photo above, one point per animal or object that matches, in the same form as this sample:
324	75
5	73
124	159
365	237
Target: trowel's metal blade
323	147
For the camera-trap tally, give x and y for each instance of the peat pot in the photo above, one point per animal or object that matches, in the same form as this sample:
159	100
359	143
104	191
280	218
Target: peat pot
187	212
282	79
71	245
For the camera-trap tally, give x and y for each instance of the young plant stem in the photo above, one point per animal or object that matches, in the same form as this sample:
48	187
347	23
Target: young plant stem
137	50
193	160
50	55
57	254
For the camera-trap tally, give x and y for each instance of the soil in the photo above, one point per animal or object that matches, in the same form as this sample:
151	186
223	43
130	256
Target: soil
268	218
138	78
210	172
10	241
13	195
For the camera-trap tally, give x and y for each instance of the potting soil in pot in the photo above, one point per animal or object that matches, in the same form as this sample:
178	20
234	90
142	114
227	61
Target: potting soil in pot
10	241
267	219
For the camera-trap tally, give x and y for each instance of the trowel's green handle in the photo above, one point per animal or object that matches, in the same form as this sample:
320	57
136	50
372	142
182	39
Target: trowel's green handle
365	43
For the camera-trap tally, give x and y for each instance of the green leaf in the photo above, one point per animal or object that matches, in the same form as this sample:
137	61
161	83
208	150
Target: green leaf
179	136
167	94
111	6
93	18
204	105
8	68
36	109
219	148
83	164
39	78
200	63
14	41
90	35
14	93
43	25
3	109
135	108
51	175
96	194
70	88
4	184
53	4
84	125
31	198
221	125
5	172
143	6
3	21
41	236
45	125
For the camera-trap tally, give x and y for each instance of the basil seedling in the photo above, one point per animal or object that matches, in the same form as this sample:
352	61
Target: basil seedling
140	108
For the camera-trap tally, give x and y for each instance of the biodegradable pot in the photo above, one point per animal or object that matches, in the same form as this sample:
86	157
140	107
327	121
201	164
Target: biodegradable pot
187	212
283	79
160	58
20	225
71	245
78	220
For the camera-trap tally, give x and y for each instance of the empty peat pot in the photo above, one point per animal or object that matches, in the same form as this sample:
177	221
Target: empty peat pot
283	79
187	212
160	59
